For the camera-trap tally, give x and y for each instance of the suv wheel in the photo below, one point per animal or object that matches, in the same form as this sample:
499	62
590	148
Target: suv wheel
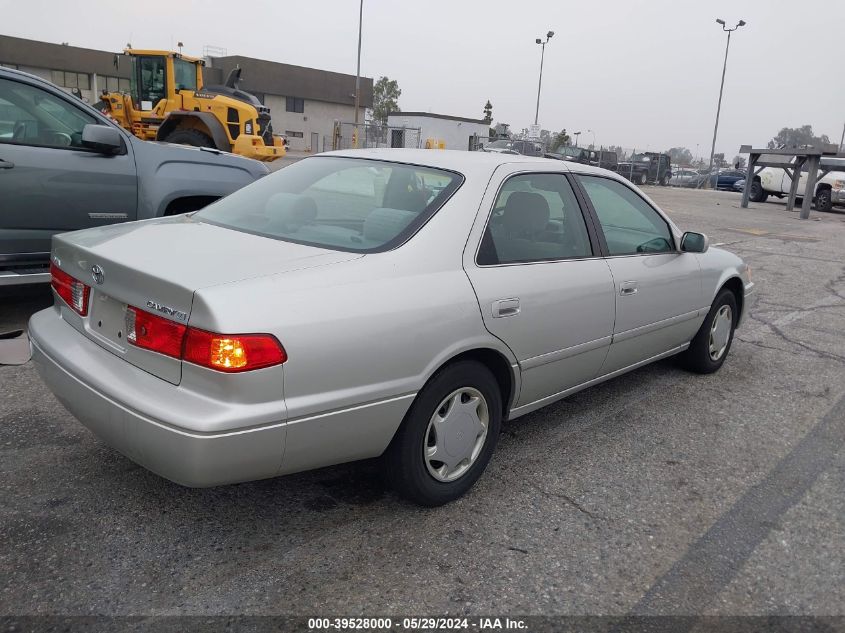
642	178
447	436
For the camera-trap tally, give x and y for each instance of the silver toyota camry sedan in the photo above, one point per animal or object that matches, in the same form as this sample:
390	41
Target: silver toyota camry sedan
392	303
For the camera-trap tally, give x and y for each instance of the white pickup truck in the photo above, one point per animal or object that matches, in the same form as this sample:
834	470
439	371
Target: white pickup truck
774	181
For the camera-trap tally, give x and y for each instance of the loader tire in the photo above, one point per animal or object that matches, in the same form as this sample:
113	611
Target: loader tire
190	137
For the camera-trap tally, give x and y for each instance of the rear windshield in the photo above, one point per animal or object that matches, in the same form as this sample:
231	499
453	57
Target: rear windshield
347	204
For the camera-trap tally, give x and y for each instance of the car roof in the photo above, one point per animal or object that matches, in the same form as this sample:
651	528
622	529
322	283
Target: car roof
460	161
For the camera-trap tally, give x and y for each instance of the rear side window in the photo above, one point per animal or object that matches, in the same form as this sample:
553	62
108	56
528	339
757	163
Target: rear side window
629	224
339	203
536	217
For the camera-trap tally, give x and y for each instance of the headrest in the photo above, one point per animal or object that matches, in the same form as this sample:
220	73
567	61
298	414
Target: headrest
291	210
383	224
525	212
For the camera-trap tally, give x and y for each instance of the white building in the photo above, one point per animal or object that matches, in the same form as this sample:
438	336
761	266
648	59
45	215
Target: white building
454	131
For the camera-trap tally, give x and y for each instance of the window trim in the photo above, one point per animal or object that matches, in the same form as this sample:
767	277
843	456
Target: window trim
294	101
594	215
595	245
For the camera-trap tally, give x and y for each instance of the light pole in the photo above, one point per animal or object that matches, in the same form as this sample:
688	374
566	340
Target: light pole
358	72
721	88
594	137
576	135
549	36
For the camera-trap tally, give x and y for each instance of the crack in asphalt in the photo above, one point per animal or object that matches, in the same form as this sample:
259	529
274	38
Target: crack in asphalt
570	500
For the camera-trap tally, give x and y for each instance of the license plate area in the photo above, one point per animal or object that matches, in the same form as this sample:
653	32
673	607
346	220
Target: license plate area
107	320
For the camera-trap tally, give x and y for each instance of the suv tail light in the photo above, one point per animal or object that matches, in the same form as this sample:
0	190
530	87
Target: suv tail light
228	353
72	291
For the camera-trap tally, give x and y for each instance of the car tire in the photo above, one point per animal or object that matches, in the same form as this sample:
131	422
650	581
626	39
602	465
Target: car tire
757	193
823	200
711	345
190	137
409	463
664	181
642	178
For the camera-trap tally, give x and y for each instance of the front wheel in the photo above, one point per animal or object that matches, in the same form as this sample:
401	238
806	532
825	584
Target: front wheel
757	193
447	437
642	178
823	200
189	137
710	347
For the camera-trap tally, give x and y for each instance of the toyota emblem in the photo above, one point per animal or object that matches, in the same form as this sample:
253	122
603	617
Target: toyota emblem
97	273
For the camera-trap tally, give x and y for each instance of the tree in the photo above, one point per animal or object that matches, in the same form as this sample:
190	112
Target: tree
545	138
739	162
386	93
719	160
790	137
561	139
680	155
488	112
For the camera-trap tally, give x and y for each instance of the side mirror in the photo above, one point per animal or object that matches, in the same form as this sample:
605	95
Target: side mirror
102	138
694	242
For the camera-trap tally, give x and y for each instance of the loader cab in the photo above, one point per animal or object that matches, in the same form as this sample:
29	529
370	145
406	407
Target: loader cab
158	75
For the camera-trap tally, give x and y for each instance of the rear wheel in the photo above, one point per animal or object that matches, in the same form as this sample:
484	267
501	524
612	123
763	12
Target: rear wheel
757	193
823	200
447	437
711	344
664	180
190	137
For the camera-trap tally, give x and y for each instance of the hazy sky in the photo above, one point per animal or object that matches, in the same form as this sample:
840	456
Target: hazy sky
641	73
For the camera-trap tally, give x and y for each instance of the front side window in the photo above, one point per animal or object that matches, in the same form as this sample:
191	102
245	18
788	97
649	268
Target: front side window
536	217
337	203
185	74
629	224
31	116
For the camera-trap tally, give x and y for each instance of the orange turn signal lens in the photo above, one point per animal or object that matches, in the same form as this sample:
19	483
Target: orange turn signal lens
232	352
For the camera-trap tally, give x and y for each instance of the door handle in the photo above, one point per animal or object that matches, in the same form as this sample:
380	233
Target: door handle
6	164
628	288
505	307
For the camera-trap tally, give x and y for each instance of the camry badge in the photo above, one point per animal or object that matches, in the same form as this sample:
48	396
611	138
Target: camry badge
173	312
97	273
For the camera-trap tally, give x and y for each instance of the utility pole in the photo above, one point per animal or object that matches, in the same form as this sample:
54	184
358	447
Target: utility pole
721	90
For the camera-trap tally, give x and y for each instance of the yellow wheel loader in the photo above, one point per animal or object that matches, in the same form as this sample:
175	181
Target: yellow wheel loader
168	102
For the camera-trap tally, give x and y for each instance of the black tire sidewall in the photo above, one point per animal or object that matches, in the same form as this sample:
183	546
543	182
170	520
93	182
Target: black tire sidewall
404	464
697	357
823	200
194	138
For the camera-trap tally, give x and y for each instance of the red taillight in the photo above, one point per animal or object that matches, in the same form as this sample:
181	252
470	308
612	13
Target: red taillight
154	333
222	352
72	291
232	352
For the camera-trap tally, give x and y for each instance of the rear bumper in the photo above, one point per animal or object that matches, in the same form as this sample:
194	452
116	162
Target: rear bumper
18	277
253	146
160	425
77	370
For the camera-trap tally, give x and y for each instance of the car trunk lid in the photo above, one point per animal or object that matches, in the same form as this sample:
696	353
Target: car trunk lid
157	266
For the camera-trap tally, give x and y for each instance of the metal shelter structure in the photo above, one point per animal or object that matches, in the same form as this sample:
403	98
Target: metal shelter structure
792	161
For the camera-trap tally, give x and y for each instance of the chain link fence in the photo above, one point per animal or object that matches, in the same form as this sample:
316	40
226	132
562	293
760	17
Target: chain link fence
367	135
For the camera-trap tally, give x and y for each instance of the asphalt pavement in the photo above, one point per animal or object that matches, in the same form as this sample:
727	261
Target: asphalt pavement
660	492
